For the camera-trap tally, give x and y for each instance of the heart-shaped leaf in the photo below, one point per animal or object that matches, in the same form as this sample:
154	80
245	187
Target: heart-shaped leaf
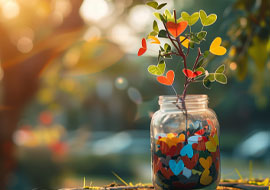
216	48
162	34
153	33
195	39
201	35
221	78
190	74
191	19
167	47
159	17
155	26
220	69
143	49
168	79
155	5
169	16
184	41
201	69
161	6
176	29
154	40
207	81
207	20
152	4
157	70
211	77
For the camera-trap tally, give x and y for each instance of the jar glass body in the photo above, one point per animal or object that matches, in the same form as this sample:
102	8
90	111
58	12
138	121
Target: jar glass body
185	144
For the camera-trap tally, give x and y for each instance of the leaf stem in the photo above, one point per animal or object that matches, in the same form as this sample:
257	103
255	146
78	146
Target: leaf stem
197	59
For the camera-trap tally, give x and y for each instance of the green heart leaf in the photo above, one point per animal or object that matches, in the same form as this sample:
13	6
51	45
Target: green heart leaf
195	39
167	47
201	69
157	70
220	69
211	77
201	35
152	4
206	82
161	6
161	48
190	19
155	26
153	33
207	20
159	17
180	20
162	34
169	16
221	78
191	44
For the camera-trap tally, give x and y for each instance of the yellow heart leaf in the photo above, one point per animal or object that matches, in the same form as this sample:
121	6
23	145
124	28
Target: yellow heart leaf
206	163
185	42
205	178
212	144
216	48
154	39
172	139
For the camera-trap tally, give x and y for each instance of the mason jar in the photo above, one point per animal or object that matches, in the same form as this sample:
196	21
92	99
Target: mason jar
185	144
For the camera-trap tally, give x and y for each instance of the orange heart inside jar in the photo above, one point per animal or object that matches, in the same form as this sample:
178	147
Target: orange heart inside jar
185	144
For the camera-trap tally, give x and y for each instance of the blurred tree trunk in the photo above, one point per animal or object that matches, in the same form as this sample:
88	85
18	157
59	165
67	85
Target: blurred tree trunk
21	81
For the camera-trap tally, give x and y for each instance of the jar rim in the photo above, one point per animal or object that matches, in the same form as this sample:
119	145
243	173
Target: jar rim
188	98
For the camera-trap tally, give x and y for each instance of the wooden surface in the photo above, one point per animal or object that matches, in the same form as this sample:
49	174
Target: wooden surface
222	186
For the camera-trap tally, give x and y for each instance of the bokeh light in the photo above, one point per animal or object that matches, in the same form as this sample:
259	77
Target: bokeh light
134	95
121	83
233	66
139	17
10	9
25	44
93	10
92	33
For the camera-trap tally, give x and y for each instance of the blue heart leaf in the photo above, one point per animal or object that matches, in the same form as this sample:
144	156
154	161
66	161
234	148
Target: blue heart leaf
176	167
187	150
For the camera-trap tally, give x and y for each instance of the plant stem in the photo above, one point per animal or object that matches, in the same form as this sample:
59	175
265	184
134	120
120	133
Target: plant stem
197	59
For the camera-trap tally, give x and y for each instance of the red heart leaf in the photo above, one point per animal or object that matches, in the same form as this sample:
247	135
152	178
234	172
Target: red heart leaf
174	150
200	146
190	164
143	49
167	173
168	80
190	74
176	29
200	132
157	165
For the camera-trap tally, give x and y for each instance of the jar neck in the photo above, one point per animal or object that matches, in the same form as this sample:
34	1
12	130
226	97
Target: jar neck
192	102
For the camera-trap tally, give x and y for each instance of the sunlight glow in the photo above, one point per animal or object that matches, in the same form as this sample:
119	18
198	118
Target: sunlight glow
93	10
233	66
121	83
139	17
10	9
25	45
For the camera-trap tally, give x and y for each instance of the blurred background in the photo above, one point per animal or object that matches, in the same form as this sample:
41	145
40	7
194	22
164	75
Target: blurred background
77	101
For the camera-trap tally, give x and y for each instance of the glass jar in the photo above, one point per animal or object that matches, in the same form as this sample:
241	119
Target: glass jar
185	144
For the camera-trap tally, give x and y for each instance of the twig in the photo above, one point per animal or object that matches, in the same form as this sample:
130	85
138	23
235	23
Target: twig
197	59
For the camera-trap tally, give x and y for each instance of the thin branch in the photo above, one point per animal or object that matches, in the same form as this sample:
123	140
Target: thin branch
197	59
